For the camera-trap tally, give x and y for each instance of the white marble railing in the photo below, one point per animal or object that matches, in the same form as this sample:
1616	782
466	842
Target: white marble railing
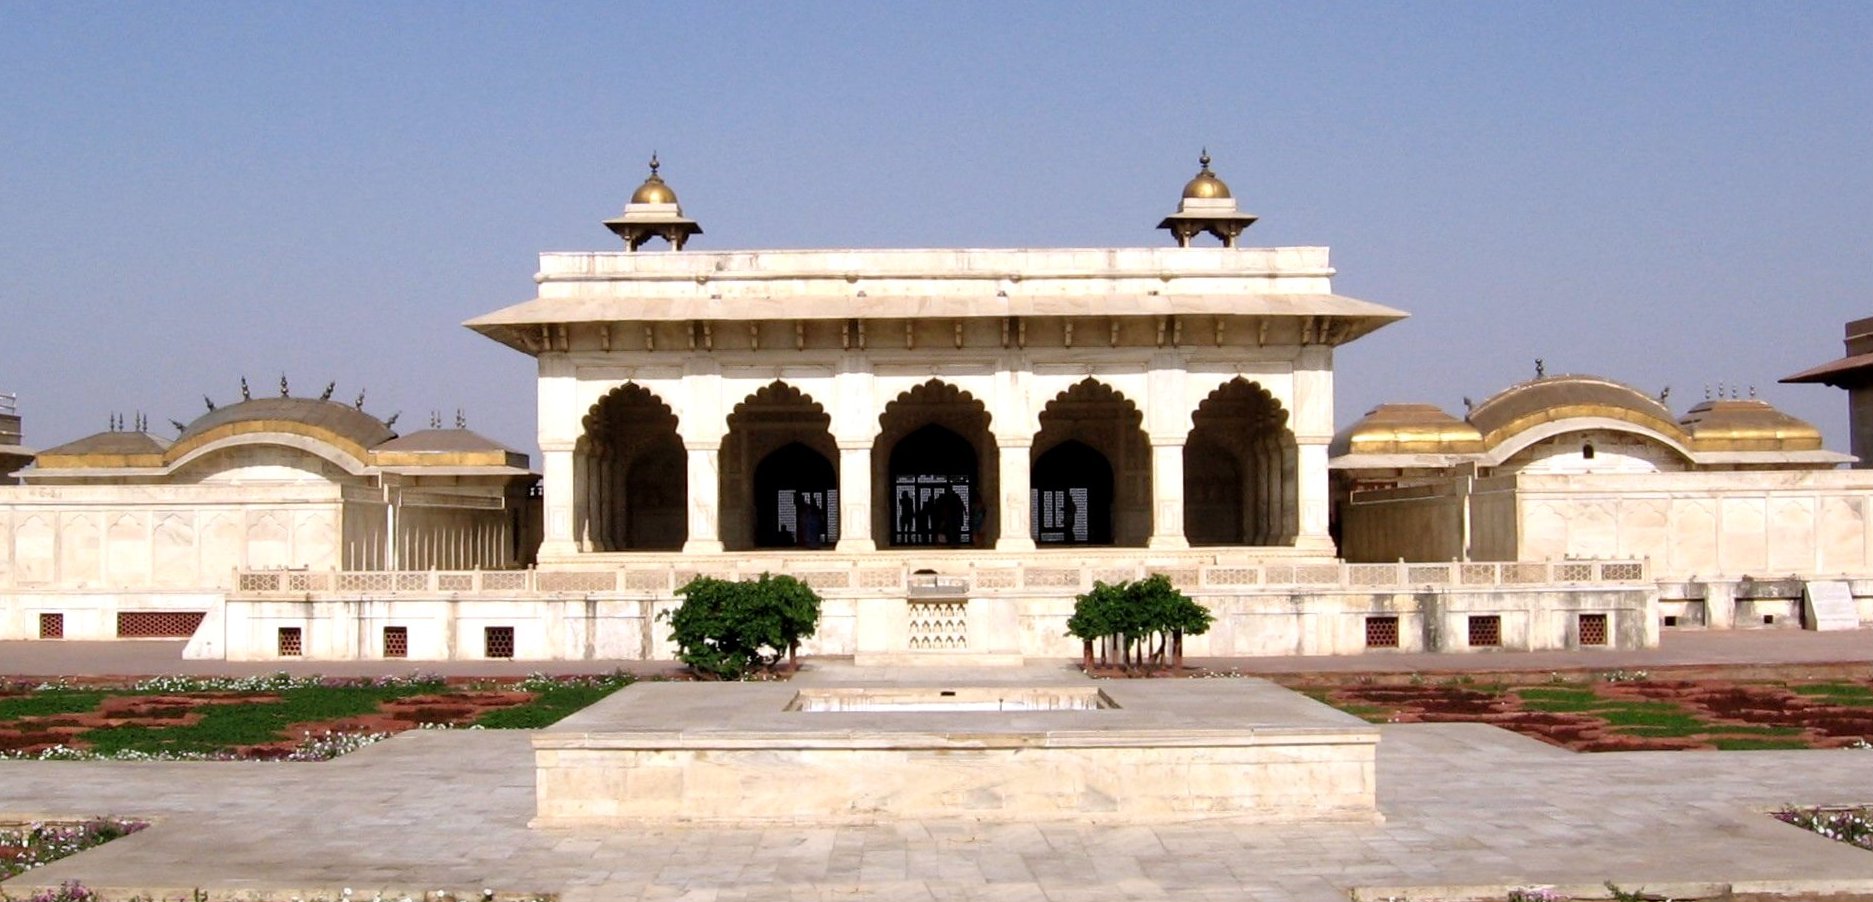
860	575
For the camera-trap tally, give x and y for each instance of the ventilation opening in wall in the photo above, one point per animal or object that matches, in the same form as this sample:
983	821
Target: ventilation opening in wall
1586	451
51	626
497	642
158	624
1671	619
1382	632
291	642
1485	629
1593	629
1768	618
396	642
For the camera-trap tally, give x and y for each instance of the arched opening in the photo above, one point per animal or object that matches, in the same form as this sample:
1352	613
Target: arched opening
1091	452
1072	496
779	482
1240	470
930	488
630	475
796	499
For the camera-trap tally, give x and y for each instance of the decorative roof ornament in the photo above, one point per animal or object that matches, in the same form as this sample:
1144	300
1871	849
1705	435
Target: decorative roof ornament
245	394
284	391
653	213
326	395
1207	206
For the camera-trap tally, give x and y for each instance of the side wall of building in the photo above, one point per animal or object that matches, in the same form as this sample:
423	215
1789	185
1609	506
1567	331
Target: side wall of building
1713	524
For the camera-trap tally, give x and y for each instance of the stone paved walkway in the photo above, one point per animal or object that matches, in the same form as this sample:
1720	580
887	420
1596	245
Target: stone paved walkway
1467	807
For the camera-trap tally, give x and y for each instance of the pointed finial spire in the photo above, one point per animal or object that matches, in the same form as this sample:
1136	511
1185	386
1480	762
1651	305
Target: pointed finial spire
461	420
245	394
1663	394
393	419
1204	159
359	404
1541	368
326	395
1706	391
208	403
180	426
1752	393
654	164
284	392
435	419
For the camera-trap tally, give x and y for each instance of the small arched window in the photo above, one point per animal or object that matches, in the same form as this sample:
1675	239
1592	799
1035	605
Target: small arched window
1586	450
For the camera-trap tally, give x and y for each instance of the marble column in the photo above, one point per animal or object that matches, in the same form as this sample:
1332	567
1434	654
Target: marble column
1014	458
855	522
1311	487
559	502
1167	494
705	489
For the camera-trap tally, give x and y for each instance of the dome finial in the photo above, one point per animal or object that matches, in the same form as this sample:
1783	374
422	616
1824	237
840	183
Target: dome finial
1206	206
653	213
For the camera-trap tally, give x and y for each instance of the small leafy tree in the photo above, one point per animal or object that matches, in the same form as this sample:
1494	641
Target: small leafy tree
724	629
1145	619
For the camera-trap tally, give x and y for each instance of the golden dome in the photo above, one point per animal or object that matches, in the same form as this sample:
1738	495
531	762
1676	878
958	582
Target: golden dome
653	191
1407	429
1751	424
1206	185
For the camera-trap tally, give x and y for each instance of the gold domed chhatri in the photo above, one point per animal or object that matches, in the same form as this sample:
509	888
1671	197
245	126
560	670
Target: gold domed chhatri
653	213
1205	184
654	191
1206	206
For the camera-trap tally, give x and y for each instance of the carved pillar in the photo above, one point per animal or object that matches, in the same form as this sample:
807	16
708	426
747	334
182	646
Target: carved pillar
560	502
705	488
1167	494
855	499
1015	463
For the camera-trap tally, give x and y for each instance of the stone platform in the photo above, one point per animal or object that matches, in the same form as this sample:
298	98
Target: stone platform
1127	752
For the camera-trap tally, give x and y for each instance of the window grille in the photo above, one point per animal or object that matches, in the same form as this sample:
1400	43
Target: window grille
1382	632
1485	630
158	624
1593	629
291	642
396	642
497	642
51	626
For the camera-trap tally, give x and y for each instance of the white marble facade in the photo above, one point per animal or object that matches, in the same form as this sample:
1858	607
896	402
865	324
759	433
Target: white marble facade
865	347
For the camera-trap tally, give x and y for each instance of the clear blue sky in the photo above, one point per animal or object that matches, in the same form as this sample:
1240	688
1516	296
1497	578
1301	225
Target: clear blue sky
1665	194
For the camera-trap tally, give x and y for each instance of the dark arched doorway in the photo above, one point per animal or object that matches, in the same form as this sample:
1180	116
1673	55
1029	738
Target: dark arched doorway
778	442
796	499
1240	465
929	487
1072	496
630	475
933	478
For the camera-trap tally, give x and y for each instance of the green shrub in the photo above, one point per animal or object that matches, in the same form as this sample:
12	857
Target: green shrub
1145	619
725	629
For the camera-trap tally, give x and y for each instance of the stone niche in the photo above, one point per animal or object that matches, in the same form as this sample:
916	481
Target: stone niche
1124	752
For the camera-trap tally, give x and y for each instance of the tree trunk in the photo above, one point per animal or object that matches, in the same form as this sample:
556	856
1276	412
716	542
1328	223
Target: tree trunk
1177	651
1086	655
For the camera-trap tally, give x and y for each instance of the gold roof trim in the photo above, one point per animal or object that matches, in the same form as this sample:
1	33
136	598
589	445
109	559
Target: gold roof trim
1408	429
1748	425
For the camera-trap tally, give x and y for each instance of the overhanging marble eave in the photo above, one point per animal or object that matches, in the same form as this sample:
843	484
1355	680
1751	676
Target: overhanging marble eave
1351	317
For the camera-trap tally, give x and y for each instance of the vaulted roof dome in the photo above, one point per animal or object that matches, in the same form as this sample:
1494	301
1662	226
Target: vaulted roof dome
1550	398
1206	185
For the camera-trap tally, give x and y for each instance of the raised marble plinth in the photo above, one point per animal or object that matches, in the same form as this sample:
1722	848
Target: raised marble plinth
1148	751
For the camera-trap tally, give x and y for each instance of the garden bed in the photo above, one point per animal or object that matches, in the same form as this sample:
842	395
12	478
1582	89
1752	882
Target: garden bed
270	718
1629	713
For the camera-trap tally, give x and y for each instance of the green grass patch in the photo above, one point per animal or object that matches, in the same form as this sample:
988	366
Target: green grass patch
1651	719
1559	701
48	703
256	722
549	706
1752	744
1855	695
